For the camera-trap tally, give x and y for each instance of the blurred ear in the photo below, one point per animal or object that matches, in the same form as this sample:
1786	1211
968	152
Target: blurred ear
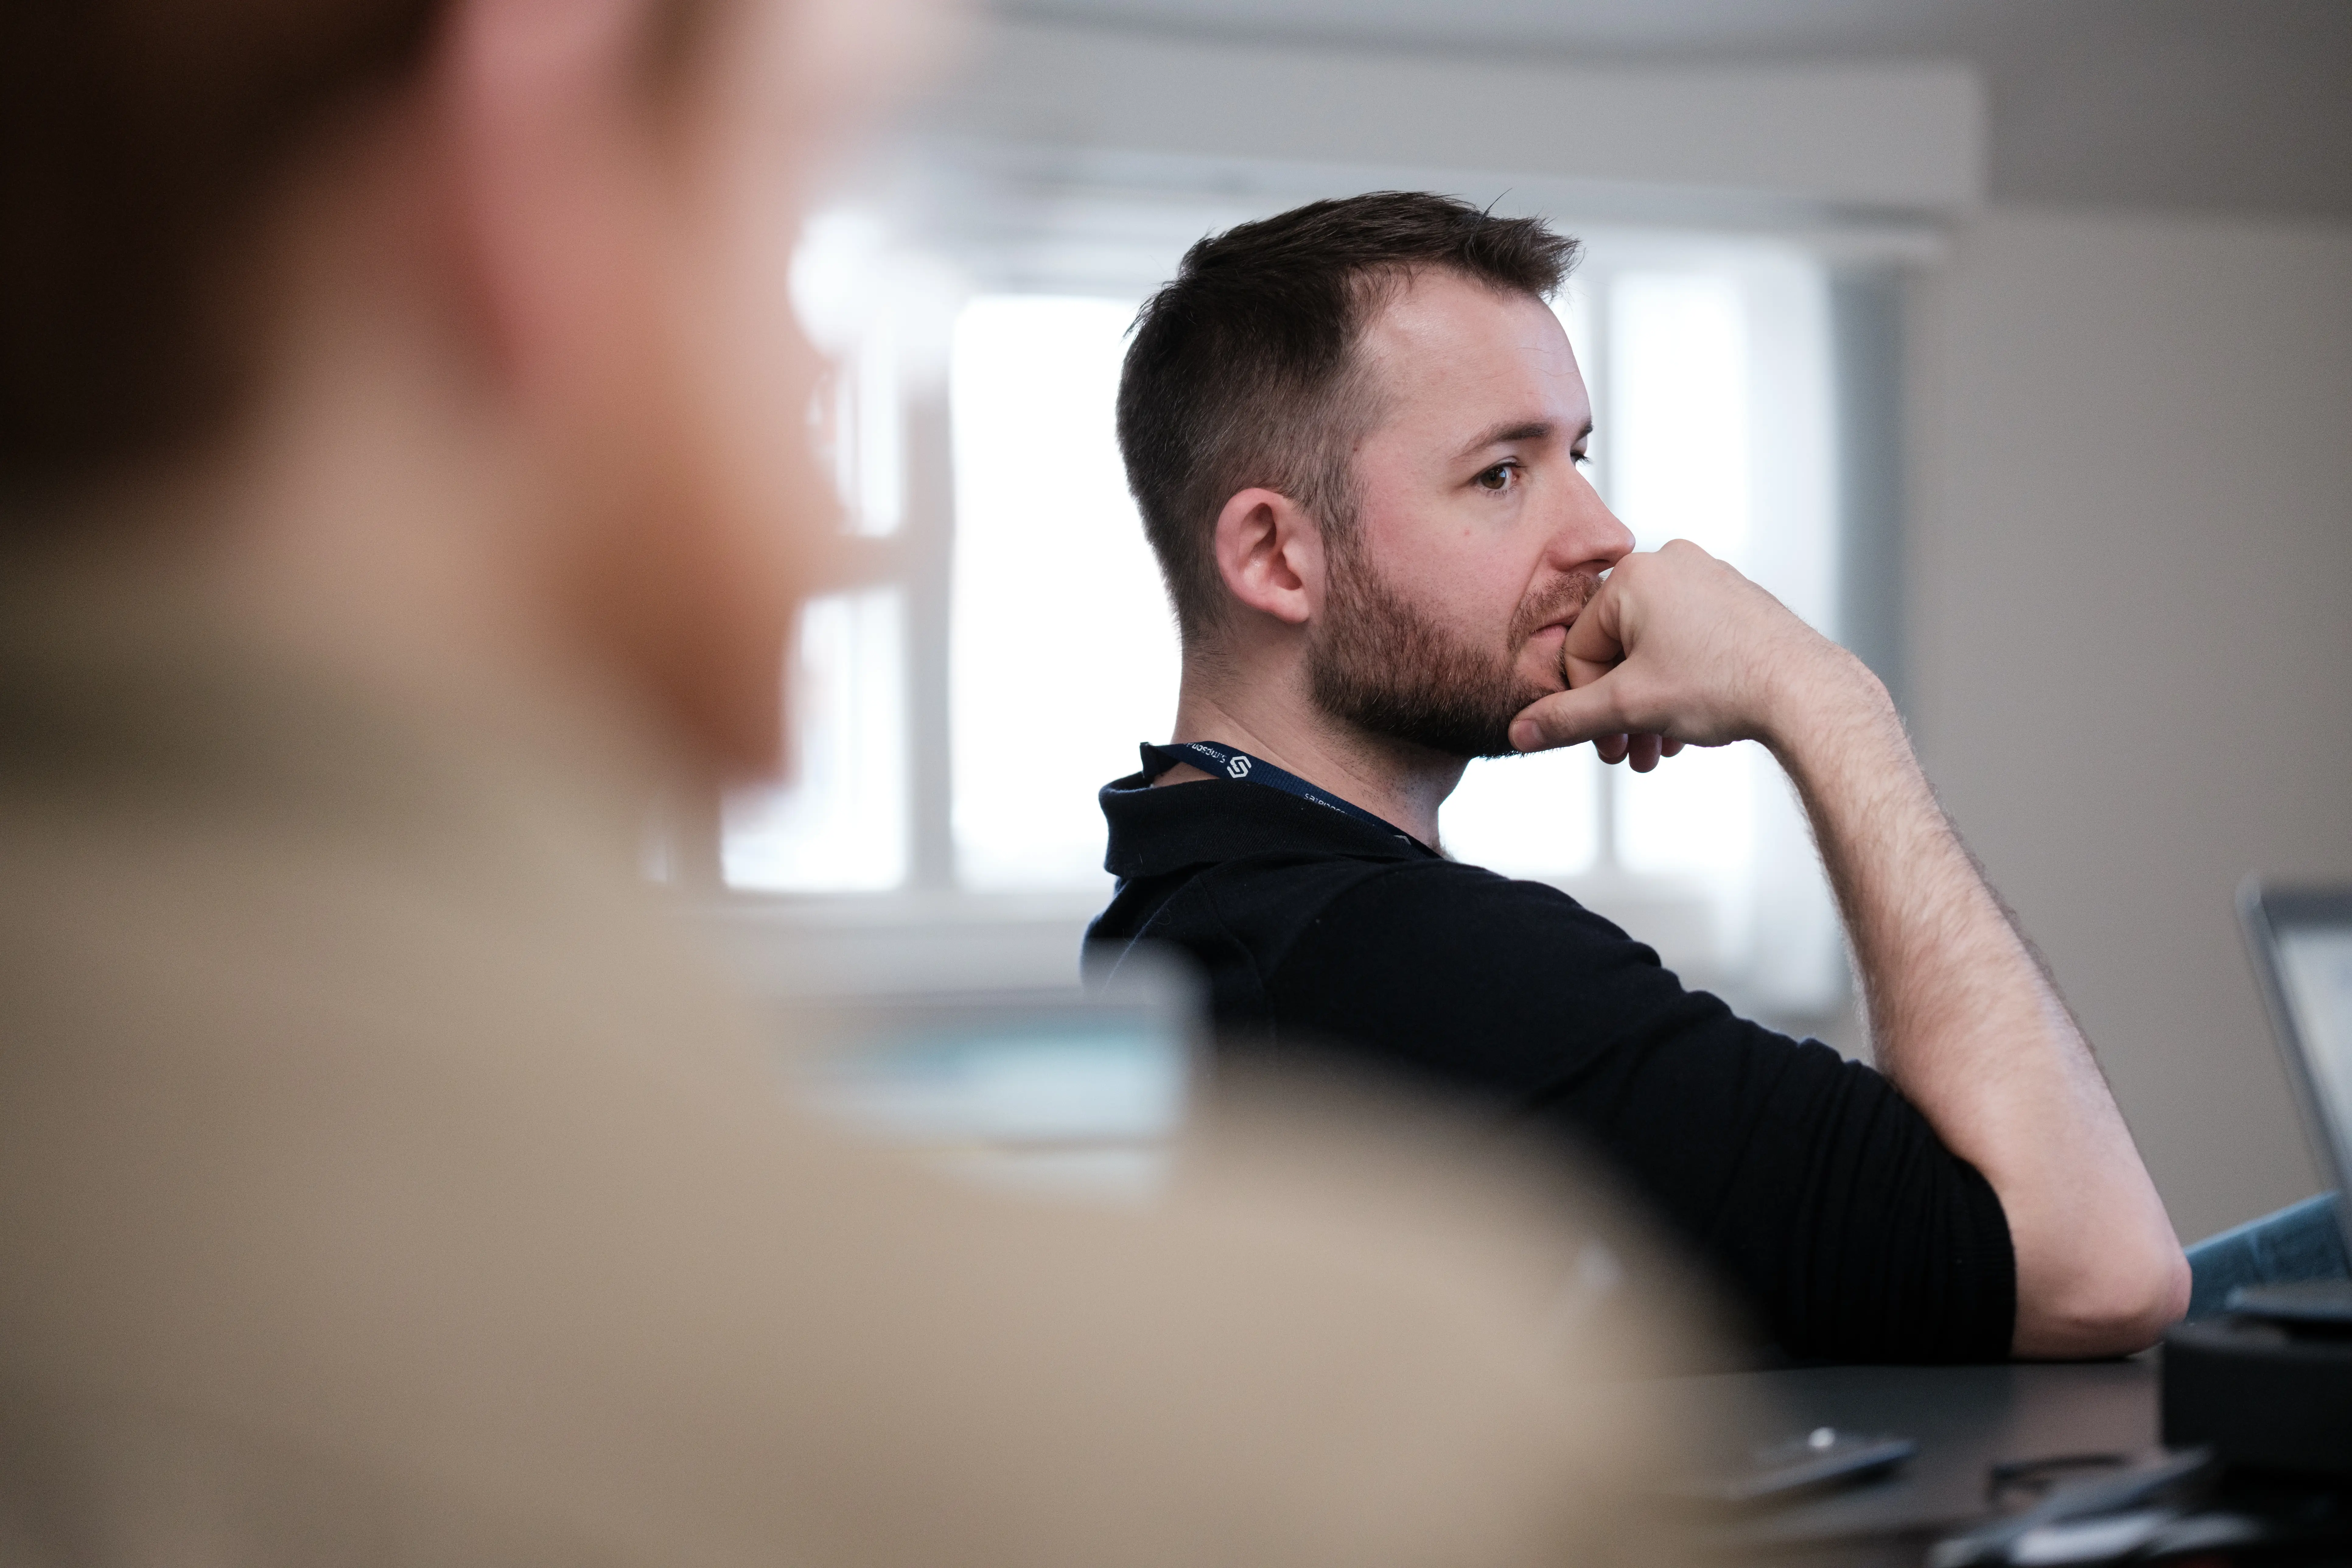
546	135
1270	555
627	250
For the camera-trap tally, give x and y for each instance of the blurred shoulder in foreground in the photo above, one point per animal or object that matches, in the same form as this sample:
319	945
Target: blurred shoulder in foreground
375	1174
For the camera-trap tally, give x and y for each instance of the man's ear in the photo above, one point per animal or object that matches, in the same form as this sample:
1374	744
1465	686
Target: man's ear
1270	555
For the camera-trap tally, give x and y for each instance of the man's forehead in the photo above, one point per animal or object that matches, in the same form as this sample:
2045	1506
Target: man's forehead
1449	350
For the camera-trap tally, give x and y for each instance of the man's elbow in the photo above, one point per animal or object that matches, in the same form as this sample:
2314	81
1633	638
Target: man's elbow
2123	1304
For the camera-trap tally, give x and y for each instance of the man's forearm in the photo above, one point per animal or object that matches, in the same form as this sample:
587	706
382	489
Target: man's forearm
1678	645
1968	1025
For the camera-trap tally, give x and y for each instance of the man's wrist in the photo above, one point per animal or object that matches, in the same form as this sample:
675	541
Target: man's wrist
1828	705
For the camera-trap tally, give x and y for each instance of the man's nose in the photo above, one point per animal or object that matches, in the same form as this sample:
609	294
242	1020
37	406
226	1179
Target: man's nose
1589	534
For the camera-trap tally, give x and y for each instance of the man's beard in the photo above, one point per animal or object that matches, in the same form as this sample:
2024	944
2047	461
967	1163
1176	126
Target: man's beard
1384	666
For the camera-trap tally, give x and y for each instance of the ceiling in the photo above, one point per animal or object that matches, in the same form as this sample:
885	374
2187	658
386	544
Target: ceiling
2235	106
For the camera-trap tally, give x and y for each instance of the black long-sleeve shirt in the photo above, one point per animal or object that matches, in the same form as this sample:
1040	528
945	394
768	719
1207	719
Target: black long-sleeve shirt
1818	1193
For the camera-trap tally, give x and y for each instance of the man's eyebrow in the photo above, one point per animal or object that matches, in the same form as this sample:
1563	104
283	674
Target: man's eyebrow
1518	430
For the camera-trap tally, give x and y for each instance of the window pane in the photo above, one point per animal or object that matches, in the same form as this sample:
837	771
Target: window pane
1696	813
846	287
1678	409
1679	455
1575	306
1527	816
868	435
1064	654
841	825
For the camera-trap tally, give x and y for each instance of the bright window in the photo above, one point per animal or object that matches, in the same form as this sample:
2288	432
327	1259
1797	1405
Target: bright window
1064	651
841	825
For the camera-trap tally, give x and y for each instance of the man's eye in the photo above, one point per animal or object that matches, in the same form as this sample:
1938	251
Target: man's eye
1583	460
1498	477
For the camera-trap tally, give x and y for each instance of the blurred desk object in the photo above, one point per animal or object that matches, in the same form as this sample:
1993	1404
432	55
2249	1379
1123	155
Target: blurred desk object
971	1043
1966	1419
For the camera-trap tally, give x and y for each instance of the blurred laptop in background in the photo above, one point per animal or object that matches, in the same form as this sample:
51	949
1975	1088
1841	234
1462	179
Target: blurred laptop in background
2295	1262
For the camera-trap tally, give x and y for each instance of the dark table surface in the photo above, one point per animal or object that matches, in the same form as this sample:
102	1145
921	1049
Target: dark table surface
1965	1419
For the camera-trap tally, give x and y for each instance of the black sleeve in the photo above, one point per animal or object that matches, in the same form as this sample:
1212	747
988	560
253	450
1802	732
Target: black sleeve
1819	1194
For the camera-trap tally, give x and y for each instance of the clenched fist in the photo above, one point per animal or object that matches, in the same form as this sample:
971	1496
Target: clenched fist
1677	649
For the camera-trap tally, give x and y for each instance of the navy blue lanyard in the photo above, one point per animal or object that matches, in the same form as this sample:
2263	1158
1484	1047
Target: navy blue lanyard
1225	762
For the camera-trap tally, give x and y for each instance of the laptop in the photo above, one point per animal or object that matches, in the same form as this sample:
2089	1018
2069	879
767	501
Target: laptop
2301	938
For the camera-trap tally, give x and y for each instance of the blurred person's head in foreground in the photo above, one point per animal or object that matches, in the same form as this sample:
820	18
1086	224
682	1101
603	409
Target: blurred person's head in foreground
440	336
374	1172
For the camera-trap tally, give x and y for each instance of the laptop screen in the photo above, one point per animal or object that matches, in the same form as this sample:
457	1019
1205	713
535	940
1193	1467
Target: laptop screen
2315	965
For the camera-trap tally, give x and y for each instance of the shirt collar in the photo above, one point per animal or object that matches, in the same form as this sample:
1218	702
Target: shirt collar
1156	831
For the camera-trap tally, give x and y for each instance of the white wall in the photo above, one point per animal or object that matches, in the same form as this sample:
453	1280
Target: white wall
2131	634
1905	136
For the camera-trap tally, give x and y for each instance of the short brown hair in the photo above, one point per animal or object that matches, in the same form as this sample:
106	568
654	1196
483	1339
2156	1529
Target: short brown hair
1242	372
139	139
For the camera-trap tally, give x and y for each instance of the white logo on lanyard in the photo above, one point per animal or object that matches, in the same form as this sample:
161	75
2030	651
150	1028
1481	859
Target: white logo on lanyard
1238	767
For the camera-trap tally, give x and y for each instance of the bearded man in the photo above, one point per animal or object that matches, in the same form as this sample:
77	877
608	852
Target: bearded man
1355	433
